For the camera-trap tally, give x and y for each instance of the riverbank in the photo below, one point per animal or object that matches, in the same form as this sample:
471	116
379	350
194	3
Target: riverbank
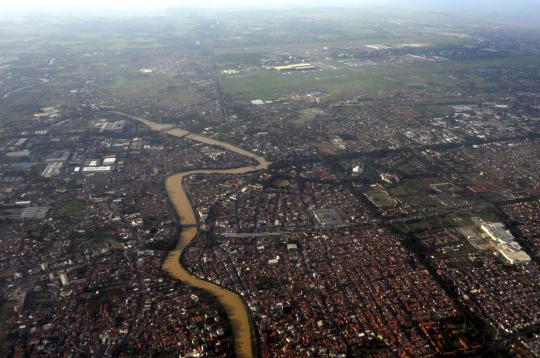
233	304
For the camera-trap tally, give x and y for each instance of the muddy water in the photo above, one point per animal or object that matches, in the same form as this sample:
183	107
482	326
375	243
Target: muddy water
234	306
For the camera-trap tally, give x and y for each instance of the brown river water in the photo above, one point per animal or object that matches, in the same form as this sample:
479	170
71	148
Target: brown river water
233	304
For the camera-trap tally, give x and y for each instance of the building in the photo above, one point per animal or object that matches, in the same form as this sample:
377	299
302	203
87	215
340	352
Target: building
497	232
505	244
18	154
358	170
328	218
113	126
58	156
34	212
109	161
52	169
64	279
296	67
101	169
513	254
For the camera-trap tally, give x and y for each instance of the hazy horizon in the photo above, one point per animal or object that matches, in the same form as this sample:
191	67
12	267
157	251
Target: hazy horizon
519	12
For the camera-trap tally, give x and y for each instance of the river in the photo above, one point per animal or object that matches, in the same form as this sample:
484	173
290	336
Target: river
233	304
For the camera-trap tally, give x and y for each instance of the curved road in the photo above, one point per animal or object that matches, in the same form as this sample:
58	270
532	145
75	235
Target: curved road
233	304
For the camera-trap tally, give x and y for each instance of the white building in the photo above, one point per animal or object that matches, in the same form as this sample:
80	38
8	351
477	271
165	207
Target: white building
101	169
64	279
109	161
497	232
505	244
513	254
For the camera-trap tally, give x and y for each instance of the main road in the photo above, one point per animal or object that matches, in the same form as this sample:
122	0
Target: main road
233	304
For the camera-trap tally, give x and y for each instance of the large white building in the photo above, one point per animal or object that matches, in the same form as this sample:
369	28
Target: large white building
505	244
513	254
497	232
101	169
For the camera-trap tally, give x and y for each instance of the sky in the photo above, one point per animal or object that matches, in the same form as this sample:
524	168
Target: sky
160	4
129	4
525	11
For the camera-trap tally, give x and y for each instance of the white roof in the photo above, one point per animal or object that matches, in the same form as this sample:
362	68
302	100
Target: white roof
498	231
513	255
292	246
96	169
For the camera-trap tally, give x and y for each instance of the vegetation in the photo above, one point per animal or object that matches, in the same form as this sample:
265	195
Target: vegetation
69	208
6	309
239	58
379	81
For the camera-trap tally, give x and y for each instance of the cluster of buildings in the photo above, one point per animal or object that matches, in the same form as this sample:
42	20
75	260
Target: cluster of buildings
332	292
526	217
505	297
277	127
302	246
260	204
508	168
266	228
81	254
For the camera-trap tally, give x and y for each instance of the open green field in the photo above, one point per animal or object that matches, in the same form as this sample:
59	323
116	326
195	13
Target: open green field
69	208
306	115
162	90
447	221
381	80
285	45
93	242
382	199
94	33
459	258
239	57
103	55
283	31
